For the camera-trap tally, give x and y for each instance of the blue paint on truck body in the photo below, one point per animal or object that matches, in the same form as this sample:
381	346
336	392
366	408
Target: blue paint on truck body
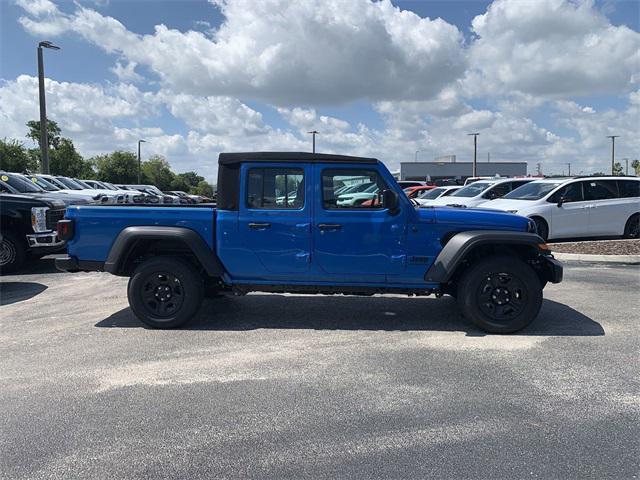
372	247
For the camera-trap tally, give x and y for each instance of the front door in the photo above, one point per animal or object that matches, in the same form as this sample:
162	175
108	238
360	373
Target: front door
355	238
275	220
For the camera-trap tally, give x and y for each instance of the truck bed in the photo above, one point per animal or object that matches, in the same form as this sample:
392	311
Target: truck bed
98	226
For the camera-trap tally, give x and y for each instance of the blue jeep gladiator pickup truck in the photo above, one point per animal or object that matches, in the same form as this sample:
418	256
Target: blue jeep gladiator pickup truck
278	226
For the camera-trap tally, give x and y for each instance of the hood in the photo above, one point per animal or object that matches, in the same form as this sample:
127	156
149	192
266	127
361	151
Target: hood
478	218
61	199
451	200
506	204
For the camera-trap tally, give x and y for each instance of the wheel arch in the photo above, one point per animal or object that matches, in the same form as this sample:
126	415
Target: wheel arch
134	243
463	247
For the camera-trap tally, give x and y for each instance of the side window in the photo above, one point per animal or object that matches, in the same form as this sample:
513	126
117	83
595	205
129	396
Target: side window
351	189
629	188
498	191
570	193
275	188
600	189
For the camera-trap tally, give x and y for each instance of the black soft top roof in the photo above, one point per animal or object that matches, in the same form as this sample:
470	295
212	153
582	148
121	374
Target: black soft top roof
240	157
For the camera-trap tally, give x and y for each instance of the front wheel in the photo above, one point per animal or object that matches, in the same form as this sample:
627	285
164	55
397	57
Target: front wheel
500	294
165	292
13	252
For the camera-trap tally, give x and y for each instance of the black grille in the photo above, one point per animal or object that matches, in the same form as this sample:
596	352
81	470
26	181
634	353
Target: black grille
52	218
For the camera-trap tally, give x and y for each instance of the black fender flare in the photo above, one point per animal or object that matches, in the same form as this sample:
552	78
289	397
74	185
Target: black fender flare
457	248
129	236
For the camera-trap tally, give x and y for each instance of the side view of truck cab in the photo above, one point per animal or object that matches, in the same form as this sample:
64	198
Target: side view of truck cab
279	226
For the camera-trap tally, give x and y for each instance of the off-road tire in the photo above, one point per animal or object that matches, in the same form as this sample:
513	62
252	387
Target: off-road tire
500	294
13	252
165	292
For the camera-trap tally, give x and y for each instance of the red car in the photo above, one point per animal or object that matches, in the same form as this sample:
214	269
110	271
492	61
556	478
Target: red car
413	192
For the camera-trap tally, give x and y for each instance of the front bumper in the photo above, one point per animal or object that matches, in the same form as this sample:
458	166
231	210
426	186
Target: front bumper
49	239
552	269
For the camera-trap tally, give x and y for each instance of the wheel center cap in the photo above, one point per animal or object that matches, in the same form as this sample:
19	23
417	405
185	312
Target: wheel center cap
163	293
500	296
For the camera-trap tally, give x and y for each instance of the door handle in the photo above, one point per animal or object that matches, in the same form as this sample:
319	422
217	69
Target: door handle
257	226
329	226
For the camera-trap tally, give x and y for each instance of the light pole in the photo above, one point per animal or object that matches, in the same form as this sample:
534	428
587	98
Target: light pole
626	168
613	151
44	141
569	165
313	135
139	163
474	172
415	157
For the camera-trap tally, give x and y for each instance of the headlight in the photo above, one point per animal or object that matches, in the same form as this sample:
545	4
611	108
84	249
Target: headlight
39	219
531	227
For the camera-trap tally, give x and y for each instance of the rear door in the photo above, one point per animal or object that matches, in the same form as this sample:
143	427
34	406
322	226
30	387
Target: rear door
571	219
606	213
275	219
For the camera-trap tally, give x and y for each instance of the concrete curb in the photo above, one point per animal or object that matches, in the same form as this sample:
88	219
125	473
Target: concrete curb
583	257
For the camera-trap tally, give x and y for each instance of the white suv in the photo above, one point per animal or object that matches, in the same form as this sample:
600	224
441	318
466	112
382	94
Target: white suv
578	207
479	192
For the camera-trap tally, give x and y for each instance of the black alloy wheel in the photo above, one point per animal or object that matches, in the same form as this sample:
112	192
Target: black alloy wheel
500	294
165	292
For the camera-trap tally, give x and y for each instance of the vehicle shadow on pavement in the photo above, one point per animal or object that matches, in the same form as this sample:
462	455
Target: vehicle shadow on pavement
258	311
38	266
13	292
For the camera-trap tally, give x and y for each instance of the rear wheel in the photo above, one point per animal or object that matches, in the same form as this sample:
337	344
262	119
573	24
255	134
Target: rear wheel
541	227
13	252
632	228
165	292
500	294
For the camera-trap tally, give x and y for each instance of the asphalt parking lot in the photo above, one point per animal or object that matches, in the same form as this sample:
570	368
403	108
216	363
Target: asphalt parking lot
284	386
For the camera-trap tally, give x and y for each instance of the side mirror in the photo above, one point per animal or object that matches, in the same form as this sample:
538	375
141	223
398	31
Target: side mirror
492	195
390	201
560	201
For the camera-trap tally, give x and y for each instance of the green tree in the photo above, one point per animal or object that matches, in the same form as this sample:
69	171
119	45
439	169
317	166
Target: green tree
178	183
53	132
204	188
65	160
617	168
635	164
15	158
192	179
117	167
157	171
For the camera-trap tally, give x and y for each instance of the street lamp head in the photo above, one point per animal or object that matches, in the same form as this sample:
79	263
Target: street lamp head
473	134
48	44
142	141
315	132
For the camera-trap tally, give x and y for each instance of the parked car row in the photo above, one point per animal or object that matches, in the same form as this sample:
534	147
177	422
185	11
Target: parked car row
575	207
31	205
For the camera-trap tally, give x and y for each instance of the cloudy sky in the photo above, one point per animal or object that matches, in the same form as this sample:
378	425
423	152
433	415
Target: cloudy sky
541	80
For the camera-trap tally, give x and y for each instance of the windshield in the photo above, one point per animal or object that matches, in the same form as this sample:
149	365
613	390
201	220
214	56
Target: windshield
532	191
21	184
86	186
106	185
432	194
153	189
68	183
50	187
473	190
55	181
